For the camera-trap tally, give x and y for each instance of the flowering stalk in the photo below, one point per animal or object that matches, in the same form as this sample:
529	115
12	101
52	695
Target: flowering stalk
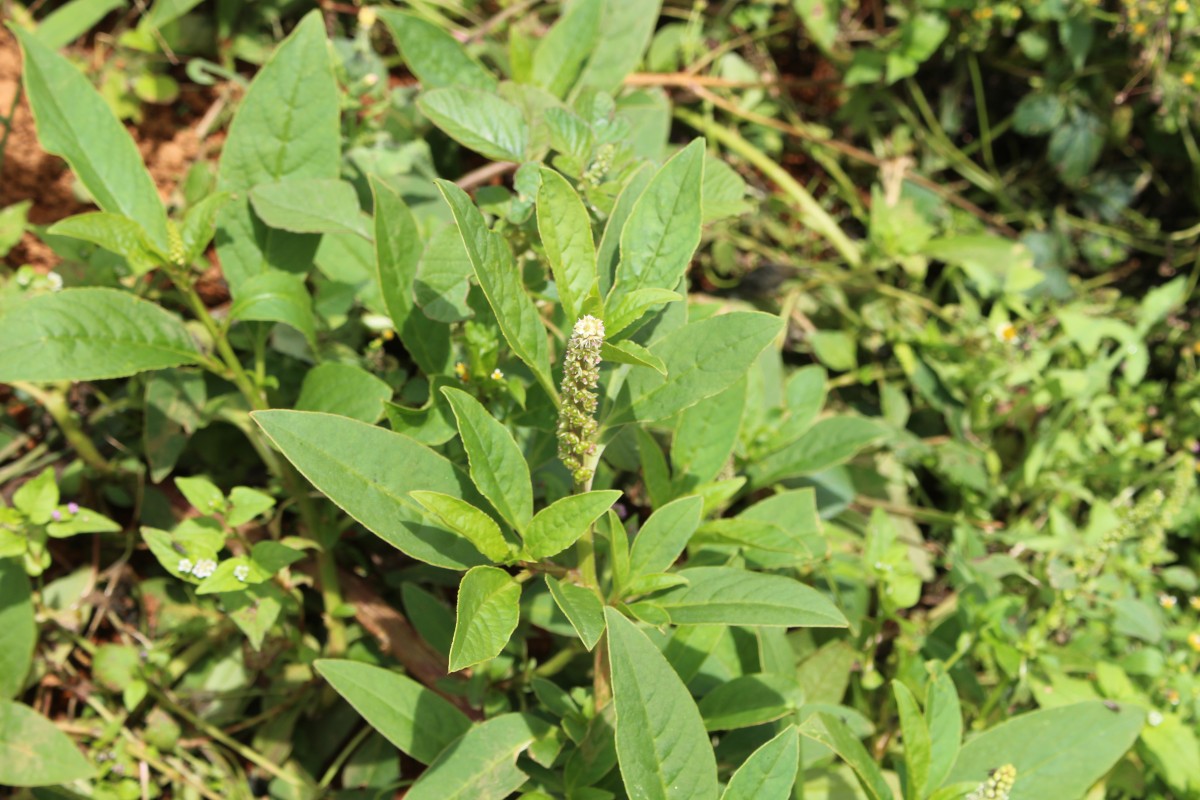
998	785
576	417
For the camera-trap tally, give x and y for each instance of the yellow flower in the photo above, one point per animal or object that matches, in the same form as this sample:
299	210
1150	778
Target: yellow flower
1194	602
1193	640
1140	29
1167	601
1189	79
1181	6
460	369
1006	332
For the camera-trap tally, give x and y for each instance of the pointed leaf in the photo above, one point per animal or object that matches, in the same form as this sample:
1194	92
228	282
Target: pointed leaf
732	596
566	234
115	234
944	713
566	47
469	522
749	700
915	733
582	607
770	771
310	205
662	539
481	765
434	56
35	751
625	30
837	736
18	628
478	120
488	612
277	297
830	442
556	527
344	389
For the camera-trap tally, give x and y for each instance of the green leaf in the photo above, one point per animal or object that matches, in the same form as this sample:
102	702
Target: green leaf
469	522
273	556
368	472
497	466
665	534
310	205
344	389
38	497
276	297
703	358
566	47
287	126
74	122
837	736
662	747
731	596
202	493
749	700
174	411
200	224
627	309
1075	146
837	350
830	442
481	765
820	18
566	232
488	612
630	352
1038	113
82	520
770	771
433	55
724	191
582	607
114	233
556	527
255	610
625	30
944	715
397	257
89	334
917	745
705	435
35	751
18	628
663	229
609	251
417	720
1058	752
444	278
71	20
478	120
500	280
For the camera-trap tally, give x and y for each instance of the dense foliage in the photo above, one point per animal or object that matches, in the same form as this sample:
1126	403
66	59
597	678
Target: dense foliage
608	399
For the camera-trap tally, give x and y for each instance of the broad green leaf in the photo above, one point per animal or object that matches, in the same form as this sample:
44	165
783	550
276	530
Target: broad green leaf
497	466
662	747
724	191
655	474
626	309
749	700
478	120
310	205
432	618
705	435
609	251
38	497
1172	748
343	389
944	715
397	257
89	334
202	493
74	122
663	228
444	278
276	297
434	56
582	607
917	747
500	280
255	610
770	771
481	765
731	596
35	751
566	234
415	719
246	504
71	20
116	234
469	522
1058	752
287	126
703	358
18	629
488	612
566	47
625	30
368	472
556	527
837	736
630	352
830	442
1038	113
665	534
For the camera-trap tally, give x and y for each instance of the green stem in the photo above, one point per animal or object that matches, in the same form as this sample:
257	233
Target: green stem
810	210
55	403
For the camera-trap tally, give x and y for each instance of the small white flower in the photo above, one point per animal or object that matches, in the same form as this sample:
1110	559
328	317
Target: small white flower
497	375
55	281
241	572
1154	719
204	567
588	327
1007	332
1167	600
185	565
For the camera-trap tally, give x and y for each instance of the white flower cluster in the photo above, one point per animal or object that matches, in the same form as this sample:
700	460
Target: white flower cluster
201	569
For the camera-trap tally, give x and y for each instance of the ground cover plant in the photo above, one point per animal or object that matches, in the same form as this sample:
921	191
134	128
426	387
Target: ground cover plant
605	399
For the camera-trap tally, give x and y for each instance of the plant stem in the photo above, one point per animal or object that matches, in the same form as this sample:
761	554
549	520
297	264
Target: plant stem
55	402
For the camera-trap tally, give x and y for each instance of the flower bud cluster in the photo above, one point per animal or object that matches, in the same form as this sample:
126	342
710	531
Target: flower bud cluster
576	417
997	786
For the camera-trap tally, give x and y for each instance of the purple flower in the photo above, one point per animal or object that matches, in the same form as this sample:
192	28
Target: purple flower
73	507
56	515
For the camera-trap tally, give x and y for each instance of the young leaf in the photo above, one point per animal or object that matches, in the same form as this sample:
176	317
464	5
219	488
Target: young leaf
75	122
625	30
267	143
18	629
626	309
469	522
565	48
310	205
501	283
830	442
731	596
609	251
434	56
582	607
417	720
944	715
478	120
481	765
368	472
203	494
915	732
630	352
35	751
567	236
200	224
497	466
662	747
89	334
343	389
488	612
275	296
663	229
116	234
664	536
837	736
770	771
556	527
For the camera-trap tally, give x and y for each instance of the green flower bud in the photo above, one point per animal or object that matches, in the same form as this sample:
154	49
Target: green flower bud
998	785
576	416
